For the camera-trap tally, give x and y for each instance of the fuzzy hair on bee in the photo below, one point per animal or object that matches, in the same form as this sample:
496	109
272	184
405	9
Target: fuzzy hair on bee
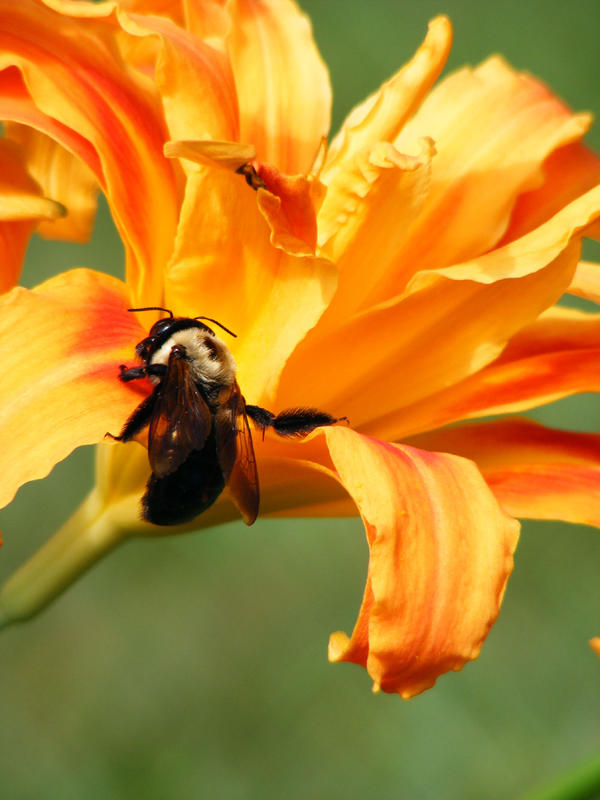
199	438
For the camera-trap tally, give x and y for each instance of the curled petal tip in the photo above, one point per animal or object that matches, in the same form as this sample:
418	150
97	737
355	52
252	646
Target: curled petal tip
440	20
29	206
338	643
440	556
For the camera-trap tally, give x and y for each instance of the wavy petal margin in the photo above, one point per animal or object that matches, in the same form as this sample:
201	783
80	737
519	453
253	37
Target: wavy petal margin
381	117
440	555
69	384
493	128
534	471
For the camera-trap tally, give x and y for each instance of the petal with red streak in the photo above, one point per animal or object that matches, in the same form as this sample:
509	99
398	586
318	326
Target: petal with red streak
440	555
282	84
63	177
61	344
398	366
556	356
22	208
287	202
80	92
195	81
568	172
535	472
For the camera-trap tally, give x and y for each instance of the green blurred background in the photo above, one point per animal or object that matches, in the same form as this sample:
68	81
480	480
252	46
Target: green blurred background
196	666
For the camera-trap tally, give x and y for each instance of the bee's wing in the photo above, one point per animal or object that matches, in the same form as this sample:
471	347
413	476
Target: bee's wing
236	455
181	420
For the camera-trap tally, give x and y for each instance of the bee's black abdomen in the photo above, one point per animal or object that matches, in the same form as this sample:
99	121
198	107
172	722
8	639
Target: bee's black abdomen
186	492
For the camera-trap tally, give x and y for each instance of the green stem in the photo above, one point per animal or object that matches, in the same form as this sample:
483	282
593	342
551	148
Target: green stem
87	536
580	783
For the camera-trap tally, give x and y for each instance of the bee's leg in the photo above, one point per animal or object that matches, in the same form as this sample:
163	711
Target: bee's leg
134	373
292	421
138	420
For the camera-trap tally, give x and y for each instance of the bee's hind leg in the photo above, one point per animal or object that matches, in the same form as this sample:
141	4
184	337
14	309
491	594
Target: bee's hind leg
293	421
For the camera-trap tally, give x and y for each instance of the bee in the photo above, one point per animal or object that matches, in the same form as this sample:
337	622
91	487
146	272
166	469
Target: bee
199	438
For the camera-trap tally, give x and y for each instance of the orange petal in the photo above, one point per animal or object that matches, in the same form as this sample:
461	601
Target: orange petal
287	205
86	9
105	113
286	202
268	297
586	281
207	19
194	79
595	645
500	388
296	479
367	209
567	173
375	352
21	208
553	358
282	84
382	116
397	367
15	104
61	344
493	128
535	472
64	178
212	153
440	555
173	9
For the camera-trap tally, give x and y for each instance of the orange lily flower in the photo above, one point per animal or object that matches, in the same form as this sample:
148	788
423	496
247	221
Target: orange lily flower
406	278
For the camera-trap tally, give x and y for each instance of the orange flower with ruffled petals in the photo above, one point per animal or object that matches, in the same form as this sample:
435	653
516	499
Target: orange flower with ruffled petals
405	277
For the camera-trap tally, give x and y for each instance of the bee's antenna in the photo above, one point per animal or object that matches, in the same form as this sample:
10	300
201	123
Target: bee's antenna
153	308
210	319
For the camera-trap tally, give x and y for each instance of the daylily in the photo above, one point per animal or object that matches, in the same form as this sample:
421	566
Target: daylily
406	277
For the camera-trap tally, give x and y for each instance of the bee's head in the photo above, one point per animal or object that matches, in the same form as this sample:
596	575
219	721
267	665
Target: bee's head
163	329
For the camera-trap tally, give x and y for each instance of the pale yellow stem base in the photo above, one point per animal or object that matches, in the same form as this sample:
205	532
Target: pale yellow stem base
93	531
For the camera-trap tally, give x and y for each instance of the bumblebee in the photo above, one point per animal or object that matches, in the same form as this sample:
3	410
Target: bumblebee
199	438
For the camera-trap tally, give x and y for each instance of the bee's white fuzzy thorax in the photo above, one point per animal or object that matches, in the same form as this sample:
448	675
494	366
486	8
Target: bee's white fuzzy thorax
211	359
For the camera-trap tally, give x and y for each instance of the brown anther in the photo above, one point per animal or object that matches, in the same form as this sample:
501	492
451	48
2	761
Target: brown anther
252	177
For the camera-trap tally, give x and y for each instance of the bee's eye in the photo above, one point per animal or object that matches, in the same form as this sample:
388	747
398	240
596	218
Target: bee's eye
143	348
160	326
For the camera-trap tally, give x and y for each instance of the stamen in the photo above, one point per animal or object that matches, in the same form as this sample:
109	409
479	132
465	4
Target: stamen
252	177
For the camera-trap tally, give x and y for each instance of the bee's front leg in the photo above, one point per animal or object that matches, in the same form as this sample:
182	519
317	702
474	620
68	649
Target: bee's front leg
138	420
127	374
